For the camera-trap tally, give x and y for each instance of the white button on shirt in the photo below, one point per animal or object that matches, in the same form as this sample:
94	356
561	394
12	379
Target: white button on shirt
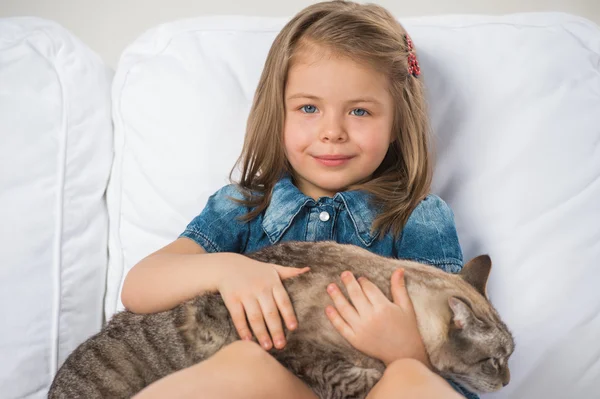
324	216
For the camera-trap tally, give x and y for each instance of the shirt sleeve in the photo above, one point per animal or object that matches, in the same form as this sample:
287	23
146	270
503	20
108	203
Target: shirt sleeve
218	228
430	236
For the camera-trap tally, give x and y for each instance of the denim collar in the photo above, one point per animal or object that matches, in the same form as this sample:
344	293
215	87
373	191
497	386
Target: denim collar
287	201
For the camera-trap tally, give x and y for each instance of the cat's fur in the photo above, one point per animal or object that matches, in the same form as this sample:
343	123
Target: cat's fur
463	334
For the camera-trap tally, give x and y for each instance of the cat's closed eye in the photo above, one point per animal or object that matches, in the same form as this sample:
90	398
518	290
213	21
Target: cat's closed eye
491	360
490	365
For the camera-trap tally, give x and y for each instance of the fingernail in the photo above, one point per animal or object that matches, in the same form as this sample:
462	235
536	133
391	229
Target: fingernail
329	310
292	326
331	288
266	344
345	274
279	343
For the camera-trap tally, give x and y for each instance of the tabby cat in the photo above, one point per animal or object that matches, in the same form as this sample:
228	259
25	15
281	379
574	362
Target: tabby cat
463	334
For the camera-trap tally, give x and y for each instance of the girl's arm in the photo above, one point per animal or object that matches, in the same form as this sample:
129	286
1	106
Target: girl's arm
252	290
183	269
172	275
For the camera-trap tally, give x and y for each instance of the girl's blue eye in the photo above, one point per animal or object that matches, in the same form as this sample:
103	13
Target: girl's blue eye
308	109
359	112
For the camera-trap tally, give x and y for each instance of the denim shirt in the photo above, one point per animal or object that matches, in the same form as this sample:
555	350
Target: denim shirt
429	235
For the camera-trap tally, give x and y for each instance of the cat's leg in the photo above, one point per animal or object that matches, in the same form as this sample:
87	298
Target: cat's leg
332	374
341	380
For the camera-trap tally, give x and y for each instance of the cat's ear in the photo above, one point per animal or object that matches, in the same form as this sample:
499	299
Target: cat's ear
461	312
476	273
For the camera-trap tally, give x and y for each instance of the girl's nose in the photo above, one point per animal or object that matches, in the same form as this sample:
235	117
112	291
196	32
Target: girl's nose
333	130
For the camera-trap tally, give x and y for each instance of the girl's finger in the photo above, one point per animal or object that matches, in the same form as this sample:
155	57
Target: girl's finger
272	319
339	323
356	294
399	291
286	309
342	305
257	322
289	272
238	316
373	293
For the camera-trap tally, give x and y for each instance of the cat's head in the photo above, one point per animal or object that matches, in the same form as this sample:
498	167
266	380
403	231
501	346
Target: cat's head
478	345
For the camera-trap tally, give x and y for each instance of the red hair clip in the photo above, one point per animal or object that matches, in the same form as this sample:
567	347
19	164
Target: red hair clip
413	64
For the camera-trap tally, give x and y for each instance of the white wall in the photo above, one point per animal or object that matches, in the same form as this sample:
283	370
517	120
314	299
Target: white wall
107	26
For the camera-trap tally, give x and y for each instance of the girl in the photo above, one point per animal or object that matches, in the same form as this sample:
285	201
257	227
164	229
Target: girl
336	149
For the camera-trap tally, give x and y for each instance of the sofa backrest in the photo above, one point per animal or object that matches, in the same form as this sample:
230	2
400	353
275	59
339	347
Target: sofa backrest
514	103
55	158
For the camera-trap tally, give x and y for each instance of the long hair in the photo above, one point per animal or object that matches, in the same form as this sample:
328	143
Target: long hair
366	33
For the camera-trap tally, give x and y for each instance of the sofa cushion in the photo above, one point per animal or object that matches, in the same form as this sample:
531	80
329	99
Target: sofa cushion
55	157
514	103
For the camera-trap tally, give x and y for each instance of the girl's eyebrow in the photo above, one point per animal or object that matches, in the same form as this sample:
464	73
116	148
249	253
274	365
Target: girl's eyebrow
303	95
364	100
353	101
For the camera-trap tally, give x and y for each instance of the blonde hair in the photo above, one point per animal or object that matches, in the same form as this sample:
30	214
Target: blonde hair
366	33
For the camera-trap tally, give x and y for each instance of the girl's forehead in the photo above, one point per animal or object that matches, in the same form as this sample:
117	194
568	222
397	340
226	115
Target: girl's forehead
309	53
322	68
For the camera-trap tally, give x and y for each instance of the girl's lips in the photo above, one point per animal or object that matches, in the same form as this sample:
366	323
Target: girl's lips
333	160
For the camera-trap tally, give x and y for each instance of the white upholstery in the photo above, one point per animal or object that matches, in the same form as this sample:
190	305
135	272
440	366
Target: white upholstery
55	157
514	103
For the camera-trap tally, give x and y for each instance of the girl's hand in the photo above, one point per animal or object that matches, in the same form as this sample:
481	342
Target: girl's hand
253	290
372	324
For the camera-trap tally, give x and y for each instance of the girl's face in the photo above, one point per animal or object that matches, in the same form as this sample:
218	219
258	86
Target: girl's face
338	121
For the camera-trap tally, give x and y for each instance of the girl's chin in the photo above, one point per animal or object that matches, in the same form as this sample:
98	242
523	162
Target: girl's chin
331	187
330	182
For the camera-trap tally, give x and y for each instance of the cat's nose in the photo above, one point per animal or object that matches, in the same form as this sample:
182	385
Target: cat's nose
506	377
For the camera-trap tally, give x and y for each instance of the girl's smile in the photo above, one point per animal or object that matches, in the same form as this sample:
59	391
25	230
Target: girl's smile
333	160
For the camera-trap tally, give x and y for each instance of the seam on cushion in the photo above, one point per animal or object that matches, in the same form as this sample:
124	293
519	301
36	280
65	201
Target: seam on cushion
58	230
204	29
489	23
57	262
561	19
565	17
118	133
175	35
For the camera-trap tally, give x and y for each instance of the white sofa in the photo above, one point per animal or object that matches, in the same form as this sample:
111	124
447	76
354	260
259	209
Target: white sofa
515	105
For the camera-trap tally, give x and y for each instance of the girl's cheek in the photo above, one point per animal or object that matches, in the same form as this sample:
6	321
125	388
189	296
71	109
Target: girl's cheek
293	119
367	130
303	127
